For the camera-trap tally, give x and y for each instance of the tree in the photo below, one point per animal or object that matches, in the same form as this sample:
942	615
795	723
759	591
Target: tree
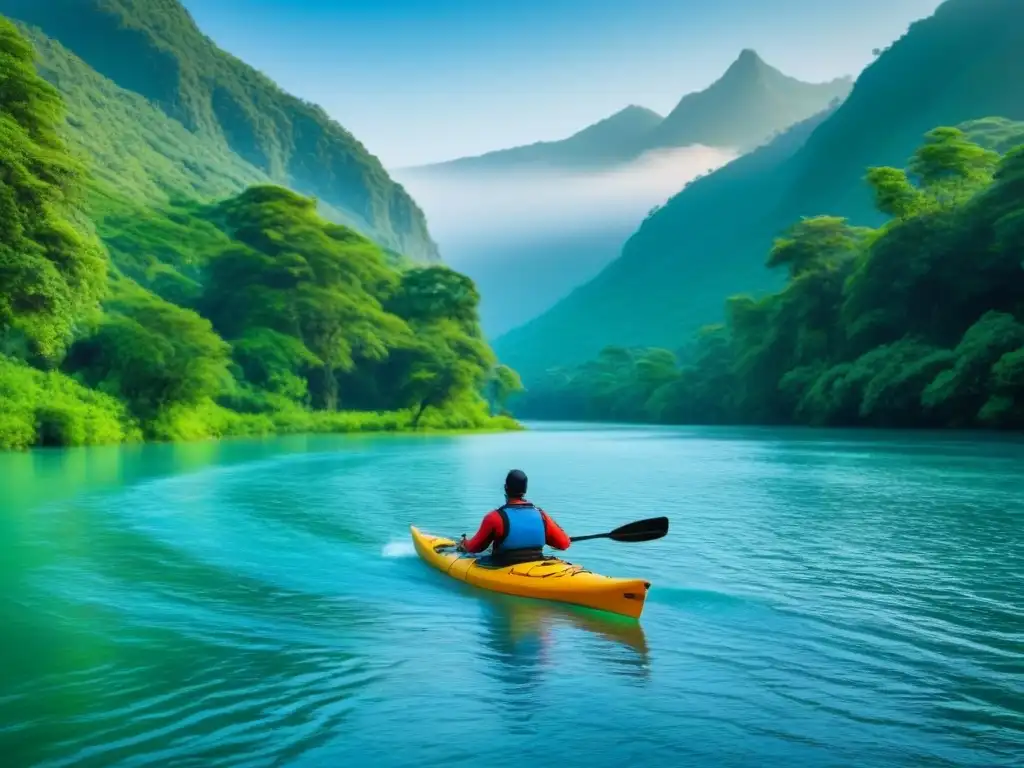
275	362
502	384
443	364
957	395
1005	406
815	243
52	270
894	194
294	274
919	323
949	167
152	354
429	294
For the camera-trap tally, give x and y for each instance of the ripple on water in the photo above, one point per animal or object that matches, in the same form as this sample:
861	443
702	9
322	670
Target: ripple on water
821	600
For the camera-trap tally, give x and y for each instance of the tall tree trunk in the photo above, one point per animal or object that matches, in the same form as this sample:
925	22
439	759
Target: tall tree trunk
419	414
324	389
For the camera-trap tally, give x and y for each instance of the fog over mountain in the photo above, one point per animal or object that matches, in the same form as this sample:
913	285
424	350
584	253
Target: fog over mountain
541	232
464	208
542	219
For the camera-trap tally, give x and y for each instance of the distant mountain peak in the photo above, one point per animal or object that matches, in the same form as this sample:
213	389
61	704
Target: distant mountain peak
749	66
636	109
746	105
609	141
748	56
633	115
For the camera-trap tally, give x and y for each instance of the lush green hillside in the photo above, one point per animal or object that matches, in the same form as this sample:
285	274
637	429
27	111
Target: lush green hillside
143	166
145	169
745	107
269	318
919	323
153	48
961	64
131	145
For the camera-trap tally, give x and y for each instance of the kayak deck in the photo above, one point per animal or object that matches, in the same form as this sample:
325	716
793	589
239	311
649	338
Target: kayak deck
548	579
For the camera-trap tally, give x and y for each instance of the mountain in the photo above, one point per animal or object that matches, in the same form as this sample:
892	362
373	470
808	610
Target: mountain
611	140
963	63
537	234
742	109
133	148
154	49
156	285
580	198
745	107
918	323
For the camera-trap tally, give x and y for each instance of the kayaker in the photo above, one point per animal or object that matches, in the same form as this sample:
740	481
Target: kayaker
516	531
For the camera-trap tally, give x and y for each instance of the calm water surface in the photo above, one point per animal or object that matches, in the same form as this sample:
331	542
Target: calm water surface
823	599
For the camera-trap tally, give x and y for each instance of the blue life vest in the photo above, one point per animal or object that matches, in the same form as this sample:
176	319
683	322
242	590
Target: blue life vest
524	537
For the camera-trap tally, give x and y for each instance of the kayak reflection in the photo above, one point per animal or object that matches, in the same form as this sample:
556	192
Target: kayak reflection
521	633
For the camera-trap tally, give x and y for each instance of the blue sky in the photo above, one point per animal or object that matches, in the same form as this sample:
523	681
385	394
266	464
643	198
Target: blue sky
426	80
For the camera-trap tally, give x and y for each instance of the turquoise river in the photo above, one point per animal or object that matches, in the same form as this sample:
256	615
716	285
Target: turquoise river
822	599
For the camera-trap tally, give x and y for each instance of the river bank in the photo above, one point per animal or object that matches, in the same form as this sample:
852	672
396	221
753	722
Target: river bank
51	409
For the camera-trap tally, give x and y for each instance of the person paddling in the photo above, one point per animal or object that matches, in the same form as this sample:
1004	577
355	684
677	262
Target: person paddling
516	531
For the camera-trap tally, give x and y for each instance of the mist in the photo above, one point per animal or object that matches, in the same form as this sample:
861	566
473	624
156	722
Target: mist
537	234
471	208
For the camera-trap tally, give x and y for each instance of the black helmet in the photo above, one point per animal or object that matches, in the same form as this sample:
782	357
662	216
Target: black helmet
515	484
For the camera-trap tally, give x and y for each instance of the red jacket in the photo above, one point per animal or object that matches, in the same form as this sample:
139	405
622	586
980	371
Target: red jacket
492	528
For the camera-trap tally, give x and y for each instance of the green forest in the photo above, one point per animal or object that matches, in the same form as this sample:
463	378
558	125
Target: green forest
918	323
150	62
125	318
708	242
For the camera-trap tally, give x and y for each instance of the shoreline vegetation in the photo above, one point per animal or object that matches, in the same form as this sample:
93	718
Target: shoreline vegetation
50	409
916	324
123	319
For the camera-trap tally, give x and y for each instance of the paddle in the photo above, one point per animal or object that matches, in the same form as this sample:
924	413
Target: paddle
641	530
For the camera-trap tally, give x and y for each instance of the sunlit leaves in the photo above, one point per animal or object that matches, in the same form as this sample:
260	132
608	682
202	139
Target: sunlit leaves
894	195
816	243
52	270
948	166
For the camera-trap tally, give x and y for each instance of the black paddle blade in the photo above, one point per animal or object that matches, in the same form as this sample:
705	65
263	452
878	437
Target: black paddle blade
641	530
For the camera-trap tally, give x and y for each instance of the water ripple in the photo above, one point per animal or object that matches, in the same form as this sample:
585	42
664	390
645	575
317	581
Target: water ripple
823	599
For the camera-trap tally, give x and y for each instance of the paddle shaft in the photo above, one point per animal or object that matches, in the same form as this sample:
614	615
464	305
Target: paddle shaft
591	536
641	530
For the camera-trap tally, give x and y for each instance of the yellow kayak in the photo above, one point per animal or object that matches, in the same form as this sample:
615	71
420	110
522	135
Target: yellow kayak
549	579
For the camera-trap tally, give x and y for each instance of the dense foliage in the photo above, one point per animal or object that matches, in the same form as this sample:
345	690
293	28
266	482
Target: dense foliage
249	316
919	323
247	124
51	269
707	242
